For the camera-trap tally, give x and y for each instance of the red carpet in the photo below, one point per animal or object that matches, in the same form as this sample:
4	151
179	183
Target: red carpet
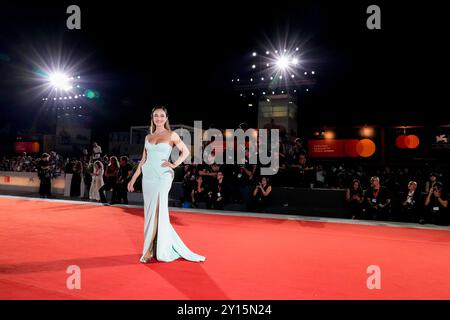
247	258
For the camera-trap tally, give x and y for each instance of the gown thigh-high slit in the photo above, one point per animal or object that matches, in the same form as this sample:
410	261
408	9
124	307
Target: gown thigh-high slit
156	184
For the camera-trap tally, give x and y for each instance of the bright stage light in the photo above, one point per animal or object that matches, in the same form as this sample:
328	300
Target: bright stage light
52	70
329	135
367	132
253	66
254	54
60	81
282	63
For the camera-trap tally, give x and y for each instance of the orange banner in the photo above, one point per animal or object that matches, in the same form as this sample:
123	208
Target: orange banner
341	148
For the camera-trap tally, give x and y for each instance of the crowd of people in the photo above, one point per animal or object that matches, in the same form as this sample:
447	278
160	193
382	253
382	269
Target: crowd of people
101	174
91	174
27	163
217	185
408	193
378	202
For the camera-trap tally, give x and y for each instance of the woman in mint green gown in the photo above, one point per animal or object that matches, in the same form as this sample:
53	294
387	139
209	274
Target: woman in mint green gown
160	238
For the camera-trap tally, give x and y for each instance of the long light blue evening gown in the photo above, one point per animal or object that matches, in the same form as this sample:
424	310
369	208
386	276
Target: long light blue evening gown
156	182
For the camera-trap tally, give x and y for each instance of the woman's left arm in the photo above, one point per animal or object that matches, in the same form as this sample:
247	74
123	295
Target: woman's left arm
182	147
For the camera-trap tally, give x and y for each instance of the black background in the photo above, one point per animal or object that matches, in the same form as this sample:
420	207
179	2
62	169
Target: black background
183	55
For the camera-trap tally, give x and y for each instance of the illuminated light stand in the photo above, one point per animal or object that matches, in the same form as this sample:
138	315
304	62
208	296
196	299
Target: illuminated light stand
278	112
65	98
275	81
70	119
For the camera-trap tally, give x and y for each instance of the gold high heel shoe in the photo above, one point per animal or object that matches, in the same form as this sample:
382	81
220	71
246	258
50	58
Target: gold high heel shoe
147	260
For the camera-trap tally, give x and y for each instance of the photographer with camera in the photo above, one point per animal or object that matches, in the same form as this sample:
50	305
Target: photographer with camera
245	175
433	179
45	173
199	192
124	176
436	203
303	171
378	200
261	195
411	206
354	197
219	193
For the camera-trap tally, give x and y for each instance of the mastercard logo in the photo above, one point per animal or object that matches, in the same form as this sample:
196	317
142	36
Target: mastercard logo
359	148
407	141
35	147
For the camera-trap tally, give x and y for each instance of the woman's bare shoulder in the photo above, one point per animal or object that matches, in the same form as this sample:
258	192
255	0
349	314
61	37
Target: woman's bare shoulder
174	137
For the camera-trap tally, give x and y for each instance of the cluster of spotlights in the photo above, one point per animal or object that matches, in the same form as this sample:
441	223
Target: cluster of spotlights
65	97
72	110
61	81
68	115
68	108
283	60
284	64
254	54
276	76
273	92
275	71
